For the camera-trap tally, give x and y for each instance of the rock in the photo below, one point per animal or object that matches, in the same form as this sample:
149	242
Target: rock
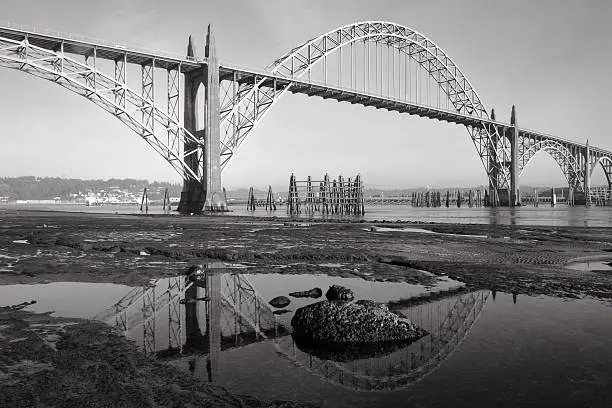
337	292
280	302
344	352
22	305
280	312
371	304
342	322
312	293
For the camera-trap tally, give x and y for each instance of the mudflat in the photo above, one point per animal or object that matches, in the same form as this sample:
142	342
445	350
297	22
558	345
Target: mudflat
69	362
39	247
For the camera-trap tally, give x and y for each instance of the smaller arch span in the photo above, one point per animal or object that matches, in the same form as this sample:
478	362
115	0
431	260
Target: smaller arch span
568	164
606	165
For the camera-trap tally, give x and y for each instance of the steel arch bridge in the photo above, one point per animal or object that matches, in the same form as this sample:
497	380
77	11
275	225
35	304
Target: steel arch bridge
370	63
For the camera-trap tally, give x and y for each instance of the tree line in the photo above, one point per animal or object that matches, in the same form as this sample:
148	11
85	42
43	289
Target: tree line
44	188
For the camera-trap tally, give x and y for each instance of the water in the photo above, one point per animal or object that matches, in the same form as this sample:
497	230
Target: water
561	215
485	349
592	265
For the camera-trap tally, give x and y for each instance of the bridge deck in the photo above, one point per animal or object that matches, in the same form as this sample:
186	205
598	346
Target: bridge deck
111	51
103	49
326	91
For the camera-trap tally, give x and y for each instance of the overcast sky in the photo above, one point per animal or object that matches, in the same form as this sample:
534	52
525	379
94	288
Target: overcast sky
551	58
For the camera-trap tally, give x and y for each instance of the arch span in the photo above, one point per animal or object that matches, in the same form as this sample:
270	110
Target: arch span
566	161
161	129
248	102
606	165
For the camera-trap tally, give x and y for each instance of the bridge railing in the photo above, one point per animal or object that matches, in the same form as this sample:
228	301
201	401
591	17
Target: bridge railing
7	25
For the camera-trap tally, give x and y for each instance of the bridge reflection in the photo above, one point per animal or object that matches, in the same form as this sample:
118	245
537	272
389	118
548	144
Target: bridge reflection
191	320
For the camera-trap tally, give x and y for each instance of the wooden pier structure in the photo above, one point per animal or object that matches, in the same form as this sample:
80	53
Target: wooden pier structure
340	197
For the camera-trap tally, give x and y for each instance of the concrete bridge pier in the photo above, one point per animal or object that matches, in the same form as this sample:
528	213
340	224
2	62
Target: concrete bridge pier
493	200
515	198
587	174
205	194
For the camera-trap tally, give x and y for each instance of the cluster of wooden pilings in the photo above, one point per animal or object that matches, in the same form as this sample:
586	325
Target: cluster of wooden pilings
341	196
601	196
144	202
435	198
253	203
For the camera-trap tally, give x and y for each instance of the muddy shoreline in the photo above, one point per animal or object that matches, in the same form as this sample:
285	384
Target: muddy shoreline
70	362
40	247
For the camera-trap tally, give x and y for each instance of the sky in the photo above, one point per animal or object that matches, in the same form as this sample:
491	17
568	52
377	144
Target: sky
550	58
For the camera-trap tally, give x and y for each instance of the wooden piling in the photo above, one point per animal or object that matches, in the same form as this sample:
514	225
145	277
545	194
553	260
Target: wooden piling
144	203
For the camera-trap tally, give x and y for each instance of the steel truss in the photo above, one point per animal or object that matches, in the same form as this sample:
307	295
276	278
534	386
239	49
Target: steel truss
605	160
371	63
161	129
566	156
141	307
246	101
571	158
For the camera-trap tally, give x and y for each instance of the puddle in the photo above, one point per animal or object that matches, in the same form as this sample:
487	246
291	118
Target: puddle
592	265
67	299
421	230
482	346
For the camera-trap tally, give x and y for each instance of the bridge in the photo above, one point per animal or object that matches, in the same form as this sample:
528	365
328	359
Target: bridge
372	63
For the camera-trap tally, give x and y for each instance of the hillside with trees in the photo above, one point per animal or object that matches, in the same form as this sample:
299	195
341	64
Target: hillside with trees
45	188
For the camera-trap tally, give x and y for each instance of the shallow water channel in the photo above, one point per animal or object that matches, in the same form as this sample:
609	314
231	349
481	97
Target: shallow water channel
484	348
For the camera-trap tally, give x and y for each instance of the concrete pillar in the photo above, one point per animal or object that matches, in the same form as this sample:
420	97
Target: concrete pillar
587	174
193	194
207	193
514	173
215	199
493	177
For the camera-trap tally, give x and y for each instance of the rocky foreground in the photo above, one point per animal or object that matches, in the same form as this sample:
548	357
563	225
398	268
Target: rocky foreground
47	361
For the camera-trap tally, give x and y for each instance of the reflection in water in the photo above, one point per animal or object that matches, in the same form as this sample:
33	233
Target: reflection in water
448	321
224	311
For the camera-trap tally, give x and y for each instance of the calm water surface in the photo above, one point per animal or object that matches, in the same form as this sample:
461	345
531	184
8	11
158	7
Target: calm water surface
561	215
484	348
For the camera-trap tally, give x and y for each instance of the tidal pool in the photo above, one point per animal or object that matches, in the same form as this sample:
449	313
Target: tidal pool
592	265
484	348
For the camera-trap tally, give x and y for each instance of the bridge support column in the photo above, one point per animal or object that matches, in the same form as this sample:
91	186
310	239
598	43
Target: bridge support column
215	199
587	174
515	199
493	199
193	194
205	194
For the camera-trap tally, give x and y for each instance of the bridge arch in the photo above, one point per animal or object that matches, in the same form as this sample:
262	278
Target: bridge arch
249	104
566	161
159	128
606	165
